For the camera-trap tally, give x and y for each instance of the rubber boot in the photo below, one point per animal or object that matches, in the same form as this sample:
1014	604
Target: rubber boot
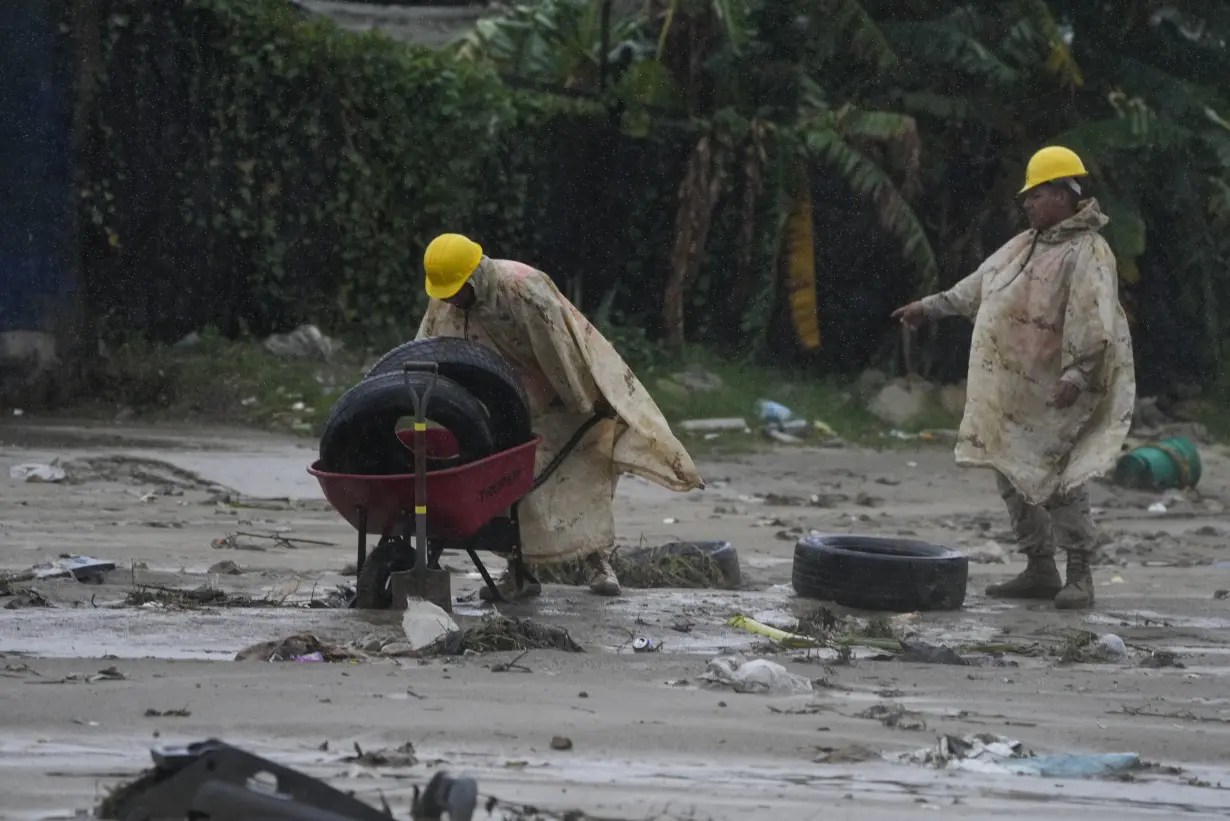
1077	594
509	588
1039	580
602	578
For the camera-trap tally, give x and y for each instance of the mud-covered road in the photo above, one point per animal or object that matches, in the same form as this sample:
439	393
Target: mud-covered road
178	509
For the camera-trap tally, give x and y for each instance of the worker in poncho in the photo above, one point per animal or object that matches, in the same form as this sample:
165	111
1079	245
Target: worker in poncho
570	372
1051	384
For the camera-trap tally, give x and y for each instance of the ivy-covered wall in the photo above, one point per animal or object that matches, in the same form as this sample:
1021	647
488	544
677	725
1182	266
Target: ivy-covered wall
250	167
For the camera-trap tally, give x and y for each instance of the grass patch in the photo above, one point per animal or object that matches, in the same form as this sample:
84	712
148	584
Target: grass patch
642	570
238	382
495	634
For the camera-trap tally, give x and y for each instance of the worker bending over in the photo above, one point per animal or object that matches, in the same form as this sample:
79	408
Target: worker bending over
570	372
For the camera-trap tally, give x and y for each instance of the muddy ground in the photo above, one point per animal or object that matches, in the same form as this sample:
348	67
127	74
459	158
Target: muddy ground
167	505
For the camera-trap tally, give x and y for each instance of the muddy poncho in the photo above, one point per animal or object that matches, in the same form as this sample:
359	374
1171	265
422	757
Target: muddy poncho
1045	307
566	366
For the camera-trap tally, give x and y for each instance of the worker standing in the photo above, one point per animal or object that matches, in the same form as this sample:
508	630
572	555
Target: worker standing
1051	386
570	372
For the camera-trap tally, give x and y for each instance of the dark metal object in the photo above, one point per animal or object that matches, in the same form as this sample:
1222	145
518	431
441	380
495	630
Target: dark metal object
501	535
444	794
420	468
213	780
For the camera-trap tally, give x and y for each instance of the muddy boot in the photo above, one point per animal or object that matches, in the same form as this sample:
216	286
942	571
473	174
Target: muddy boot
602	578
509	588
1039	580
1077	594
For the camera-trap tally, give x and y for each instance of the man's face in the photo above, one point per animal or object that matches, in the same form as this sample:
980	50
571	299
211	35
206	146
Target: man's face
462	299
1046	205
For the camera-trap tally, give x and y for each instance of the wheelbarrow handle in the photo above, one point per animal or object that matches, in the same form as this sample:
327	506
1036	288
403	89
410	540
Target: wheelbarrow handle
568	448
421	402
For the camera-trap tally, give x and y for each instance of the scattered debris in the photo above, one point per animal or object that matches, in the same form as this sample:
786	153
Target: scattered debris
226	567
924	653
22	597
986	753
757	676
402	756
644	645
425	624
987	553
1082	646
296	646
1221	594
106	674
305	342
852	754
237	541
891	714
34	472
204	596
498	633
561	742
641	568
1162	658
782	637
180	713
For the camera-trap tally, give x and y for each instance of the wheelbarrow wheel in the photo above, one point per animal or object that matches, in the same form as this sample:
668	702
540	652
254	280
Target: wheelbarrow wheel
372	588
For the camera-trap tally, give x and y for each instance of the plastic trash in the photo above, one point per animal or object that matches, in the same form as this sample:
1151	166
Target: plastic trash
317	656
424	623
758	676
1157	507
81	568
33	472
987	753
782	637
773	412
1113	645
1089	765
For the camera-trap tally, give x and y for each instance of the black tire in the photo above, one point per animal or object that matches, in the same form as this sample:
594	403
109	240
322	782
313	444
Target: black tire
478	369
361	434
723	555
371	589
872	573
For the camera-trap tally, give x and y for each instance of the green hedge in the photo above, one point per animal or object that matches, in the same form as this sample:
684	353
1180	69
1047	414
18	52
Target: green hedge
249	167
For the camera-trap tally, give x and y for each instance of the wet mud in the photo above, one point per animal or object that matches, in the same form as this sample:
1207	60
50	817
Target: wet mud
235	513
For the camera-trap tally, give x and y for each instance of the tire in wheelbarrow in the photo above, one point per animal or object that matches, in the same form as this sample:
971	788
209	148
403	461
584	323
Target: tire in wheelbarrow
361	434
478	369
873	573
372	591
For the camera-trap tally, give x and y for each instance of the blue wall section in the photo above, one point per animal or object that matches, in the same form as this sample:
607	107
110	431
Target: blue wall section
36	186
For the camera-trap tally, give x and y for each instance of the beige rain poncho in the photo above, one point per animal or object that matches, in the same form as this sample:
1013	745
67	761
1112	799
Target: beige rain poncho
566	366
1045	306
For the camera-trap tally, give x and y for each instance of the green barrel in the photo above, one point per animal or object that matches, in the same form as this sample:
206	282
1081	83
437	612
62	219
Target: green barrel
1171	463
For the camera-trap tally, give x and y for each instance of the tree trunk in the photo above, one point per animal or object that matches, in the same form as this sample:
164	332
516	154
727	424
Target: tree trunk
698	194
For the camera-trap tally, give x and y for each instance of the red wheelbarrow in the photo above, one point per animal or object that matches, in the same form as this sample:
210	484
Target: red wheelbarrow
472	507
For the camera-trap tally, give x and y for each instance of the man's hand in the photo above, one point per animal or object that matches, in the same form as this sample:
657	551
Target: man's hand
912	314
1065	394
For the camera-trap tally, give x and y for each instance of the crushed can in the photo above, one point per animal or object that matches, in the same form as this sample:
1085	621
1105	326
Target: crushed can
644	645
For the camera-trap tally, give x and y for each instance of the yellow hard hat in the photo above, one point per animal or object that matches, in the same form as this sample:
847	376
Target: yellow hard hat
1052	163
450	259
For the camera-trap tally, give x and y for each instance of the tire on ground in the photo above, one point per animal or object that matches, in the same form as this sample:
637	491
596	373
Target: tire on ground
874	573
372	591
478	369
361	434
